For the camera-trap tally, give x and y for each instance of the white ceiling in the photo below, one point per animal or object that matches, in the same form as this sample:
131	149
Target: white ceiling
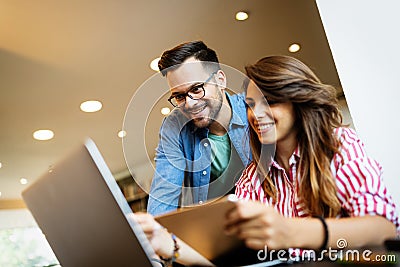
56	54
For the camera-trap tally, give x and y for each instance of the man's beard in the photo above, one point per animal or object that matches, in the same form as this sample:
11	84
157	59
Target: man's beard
214	106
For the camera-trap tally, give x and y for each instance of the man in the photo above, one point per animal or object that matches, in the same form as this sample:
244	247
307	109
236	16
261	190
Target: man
202	149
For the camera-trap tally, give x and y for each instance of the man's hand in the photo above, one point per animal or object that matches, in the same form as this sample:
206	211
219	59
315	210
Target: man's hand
158	236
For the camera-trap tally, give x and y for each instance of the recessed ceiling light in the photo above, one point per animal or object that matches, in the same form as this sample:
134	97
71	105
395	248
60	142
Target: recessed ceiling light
0	194
165	111
91	106
43	135
1	165
294	48
23	181
241	15
154	64
121	134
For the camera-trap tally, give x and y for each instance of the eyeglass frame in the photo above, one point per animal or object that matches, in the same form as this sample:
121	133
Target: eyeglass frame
187	93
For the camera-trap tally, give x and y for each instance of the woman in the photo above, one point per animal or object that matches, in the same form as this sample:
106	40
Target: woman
319	186
310	183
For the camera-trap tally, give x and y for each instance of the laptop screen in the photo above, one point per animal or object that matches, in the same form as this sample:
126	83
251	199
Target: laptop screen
83	214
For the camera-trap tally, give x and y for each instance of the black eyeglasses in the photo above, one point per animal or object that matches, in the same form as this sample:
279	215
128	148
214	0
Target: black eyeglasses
195	92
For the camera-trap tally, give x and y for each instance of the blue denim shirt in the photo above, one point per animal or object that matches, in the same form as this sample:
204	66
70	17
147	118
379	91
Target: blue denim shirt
183	158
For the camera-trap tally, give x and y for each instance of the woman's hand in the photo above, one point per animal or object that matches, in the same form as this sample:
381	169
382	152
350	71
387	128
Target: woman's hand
259	226
158	236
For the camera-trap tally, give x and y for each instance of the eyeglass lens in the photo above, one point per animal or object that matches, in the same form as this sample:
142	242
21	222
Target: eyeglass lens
195	93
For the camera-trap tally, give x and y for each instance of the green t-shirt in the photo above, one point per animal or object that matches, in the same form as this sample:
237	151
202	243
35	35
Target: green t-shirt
220	152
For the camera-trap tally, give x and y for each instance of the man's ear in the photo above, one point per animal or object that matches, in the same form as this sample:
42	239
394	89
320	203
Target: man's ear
221	79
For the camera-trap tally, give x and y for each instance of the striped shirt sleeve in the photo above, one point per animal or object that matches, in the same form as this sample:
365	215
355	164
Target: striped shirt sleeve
244	188
359	180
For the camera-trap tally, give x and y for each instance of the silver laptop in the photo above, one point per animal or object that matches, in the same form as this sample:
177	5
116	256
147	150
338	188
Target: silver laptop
83	214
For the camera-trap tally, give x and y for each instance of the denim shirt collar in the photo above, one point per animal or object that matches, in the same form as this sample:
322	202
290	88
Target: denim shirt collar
239	115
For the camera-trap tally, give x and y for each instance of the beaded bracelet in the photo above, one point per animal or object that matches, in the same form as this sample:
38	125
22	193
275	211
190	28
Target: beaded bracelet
326	232
175	255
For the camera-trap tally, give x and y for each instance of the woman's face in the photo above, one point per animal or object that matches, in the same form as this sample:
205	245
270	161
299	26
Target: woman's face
273	123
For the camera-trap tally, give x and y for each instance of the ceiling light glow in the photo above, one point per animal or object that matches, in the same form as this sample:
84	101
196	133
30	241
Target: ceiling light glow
43	135
154	64
91	106
121	134
165	111
294	48
23	181
241	15
1	165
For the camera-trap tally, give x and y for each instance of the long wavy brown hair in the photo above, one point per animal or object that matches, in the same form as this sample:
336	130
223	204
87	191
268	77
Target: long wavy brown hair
286	79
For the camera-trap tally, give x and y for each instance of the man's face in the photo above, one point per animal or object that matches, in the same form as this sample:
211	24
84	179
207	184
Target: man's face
190	74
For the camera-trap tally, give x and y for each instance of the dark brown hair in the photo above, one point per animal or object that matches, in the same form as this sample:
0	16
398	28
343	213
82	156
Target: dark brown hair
180	53
286	79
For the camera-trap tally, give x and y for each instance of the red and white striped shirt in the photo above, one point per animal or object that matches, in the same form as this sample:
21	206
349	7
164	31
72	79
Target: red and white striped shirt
360	187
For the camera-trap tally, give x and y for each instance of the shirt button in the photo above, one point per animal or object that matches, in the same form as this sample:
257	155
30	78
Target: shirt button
200	202
205	144
204	172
